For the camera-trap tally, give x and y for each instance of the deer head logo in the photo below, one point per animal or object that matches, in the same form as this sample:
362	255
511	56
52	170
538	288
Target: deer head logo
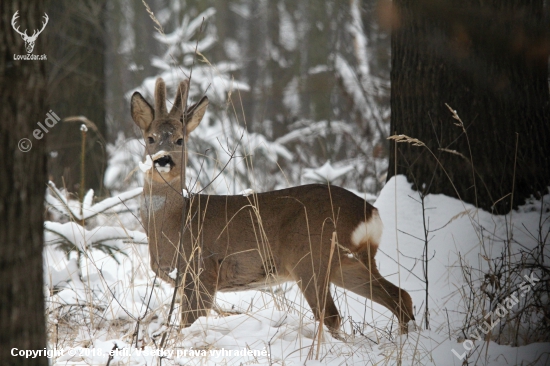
29	41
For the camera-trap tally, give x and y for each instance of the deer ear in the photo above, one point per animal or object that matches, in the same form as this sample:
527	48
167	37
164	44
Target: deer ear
195	113
142	112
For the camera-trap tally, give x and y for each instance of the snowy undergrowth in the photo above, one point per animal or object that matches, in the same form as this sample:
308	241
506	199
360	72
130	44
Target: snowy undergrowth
115	302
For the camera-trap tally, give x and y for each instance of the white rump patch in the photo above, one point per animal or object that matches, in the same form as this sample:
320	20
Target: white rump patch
368	231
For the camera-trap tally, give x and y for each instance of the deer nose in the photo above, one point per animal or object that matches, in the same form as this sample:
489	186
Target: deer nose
165	160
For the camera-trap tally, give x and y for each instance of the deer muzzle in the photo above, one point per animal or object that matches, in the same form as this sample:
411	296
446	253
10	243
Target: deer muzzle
164	164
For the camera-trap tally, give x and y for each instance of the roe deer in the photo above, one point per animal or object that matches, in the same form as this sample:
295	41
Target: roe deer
312	234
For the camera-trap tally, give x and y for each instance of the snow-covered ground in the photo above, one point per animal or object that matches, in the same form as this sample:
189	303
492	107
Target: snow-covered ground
116	303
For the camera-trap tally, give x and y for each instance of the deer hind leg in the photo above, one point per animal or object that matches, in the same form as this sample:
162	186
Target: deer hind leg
317	294
360	275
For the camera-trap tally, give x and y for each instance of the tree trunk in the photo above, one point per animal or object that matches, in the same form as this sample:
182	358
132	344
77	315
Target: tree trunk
22	186
489	63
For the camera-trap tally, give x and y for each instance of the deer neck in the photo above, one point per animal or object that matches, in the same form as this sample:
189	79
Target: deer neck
161	198
161	186
161	212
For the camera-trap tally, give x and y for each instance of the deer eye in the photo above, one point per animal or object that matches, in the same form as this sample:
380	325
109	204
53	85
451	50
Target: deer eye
150	140
179	142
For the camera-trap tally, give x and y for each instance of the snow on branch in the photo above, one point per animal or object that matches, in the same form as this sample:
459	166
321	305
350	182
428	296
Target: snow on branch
326	173
313	129
75	235
57	200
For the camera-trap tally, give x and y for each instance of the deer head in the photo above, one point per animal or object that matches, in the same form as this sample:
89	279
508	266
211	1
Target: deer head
166	134
29	41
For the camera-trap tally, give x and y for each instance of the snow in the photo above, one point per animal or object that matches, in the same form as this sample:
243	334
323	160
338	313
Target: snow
351	83
124	157
278	322
312	129
146	165
362	89
290	96
360	40
287	31
63	276
88	200
72	209
326	173
318	69
113	201
232	48
186	31
82	238
246	192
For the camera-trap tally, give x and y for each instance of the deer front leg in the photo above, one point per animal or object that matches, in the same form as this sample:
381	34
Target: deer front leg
198	293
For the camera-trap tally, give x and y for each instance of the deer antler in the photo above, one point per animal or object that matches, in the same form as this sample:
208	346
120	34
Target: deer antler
24	34
35	35
13	19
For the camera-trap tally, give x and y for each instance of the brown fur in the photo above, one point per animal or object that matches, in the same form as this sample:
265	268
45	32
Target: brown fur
235	243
